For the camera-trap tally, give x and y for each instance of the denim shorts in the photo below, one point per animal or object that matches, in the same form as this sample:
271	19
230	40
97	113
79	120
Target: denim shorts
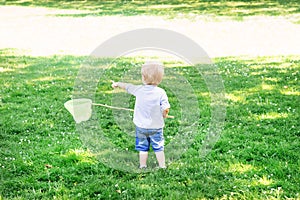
149	137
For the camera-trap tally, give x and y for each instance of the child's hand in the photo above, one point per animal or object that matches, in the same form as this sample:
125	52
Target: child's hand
165	113
114	84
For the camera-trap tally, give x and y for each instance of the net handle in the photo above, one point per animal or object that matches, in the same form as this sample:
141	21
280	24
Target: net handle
113	107
119	108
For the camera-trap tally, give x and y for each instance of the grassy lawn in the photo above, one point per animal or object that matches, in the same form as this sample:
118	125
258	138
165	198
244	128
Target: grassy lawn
176	8
42	156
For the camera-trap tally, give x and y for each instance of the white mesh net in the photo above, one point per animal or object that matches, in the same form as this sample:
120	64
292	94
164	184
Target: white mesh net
80	109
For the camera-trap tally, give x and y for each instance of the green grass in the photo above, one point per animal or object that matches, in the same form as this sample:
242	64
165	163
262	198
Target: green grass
177	8
42	156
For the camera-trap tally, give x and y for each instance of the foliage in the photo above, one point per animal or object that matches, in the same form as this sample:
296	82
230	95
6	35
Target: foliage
177	8
257	156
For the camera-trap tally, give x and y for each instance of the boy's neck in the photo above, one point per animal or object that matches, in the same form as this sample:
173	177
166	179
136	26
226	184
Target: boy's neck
150	85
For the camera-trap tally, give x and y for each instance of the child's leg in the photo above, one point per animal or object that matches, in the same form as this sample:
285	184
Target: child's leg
157	141
142	145
143	158
160	156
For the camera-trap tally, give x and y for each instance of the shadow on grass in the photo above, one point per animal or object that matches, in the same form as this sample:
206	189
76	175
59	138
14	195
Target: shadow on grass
233	8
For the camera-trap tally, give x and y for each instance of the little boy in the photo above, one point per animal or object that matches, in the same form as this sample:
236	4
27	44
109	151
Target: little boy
151	106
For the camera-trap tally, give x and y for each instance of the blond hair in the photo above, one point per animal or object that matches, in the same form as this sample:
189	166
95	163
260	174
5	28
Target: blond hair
152	72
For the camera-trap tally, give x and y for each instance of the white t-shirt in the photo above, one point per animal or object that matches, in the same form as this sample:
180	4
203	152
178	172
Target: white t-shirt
150	102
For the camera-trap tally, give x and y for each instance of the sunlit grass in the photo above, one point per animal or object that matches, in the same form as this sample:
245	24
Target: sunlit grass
240	168
235	97
178	8
266	86
295	93
263	181
80	156
271	115
256	157
5	70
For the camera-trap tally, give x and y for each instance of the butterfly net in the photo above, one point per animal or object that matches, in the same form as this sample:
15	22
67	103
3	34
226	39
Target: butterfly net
80	109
